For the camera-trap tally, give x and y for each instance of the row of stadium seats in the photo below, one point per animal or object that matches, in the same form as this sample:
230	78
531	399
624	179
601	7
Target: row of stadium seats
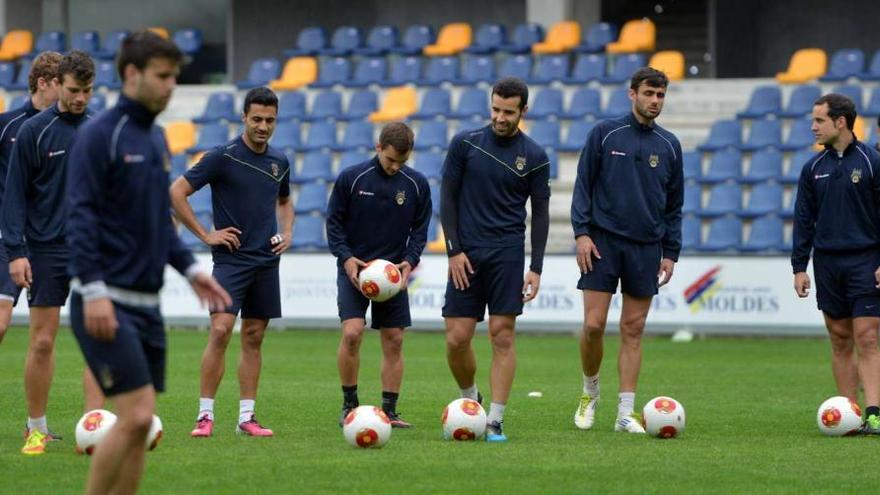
97	103
808	64
766	101
728	164
732	199
106	75
19	43
767	133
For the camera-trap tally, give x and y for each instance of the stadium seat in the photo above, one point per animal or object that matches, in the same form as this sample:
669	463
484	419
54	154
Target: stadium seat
588	67
765	100
298	72
106	75
436	239
469	125
308	233
211	136
344	41
370	70
725	165
597	38
453	39
16	43
550	68
763	133
873	72
291	106
860	129
188	40
800	136
585	102
7	75
316	166
477	69
638	35
415	39
435	198
320	136
473	103
849	62
436	102
873	108
516	66
767	234
692	165
788	211
432	135
724	133
693	199
805	65
671	62
765	199
357	135
523	37
361	105
350	158
380	40
87	41
623	69
110	44
178	166
220	106
723	199
553	159
800	103
180	136
545	133
725	234
309	42
691	232
404	70
287	136
333	70
312	196
201	203
562	37
547	103
160	31
261	73
618	104
577	135
21	78
487	39
853	92
796	164
399	103
430	164
766	165
326	106
190	240
49	41
439	71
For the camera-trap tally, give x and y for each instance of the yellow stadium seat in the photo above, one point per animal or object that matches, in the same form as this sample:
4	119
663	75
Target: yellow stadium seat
638	35
15	44
670	62
180	136
860	129
298	72
562	37
805	65
2	104
399	104
160	31
453	38
437	245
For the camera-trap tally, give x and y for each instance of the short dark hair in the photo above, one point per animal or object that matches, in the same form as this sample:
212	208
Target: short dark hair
79	65
44	66
397	135
139	47
839	106
650	76
509	87
261	96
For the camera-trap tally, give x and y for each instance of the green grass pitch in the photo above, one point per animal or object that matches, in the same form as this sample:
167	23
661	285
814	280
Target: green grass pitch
751	407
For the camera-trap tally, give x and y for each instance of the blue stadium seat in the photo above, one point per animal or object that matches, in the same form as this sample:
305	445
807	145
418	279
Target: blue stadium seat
262	71
327	105
287	135
430	164
308	233
618	104
312	196
763	133
724	165
849	62
190	240
370	70
766	198
178	166
357	135
873	72
432	134
415	38
766	165
344	41
320	136
332	70
361	105
98	102
624	66
553	158
309	41
435	198
545	133
106	75
487	39
200	201
516	66
767	234
598	35
18	101
800	103
87	41
692	165
433	228
725	234
477	69
21	78
799	136
316	166
469	125
854	92
473	102
220	106
350	158
110	45
189	40
550	68
693	199
723	199
796	165
291	106
547	103
440	70
723	134
788	211
873	108
691	232
210	136
523	37
7	75
577	135
588	67
49	41
436	102
765	100
404	70
380	41
585	102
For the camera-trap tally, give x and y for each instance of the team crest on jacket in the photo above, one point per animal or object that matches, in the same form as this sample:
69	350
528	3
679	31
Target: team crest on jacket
520	162
400	198
274	167
856	175
653	160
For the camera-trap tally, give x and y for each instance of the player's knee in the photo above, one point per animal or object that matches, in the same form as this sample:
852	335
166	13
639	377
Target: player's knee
42	345
594	330
220	335
456	342
253	335
392	344
632	328
865	339
351	340
136	422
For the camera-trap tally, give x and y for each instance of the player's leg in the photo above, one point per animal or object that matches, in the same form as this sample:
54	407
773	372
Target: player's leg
460	354
843	363
502	339
390	318
9	293
93	396
5	314
865	325
252	332
40	365
592	350
634	313
352	307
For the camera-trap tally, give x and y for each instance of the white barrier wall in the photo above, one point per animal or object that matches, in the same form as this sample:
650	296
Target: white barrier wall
734	295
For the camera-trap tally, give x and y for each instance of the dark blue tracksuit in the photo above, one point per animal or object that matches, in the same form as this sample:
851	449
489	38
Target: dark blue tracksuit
837	216
373	215
245	187
34	209
628	198
120	236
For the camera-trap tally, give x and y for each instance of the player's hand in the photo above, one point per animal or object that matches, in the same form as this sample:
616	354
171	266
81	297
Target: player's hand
100	319
224	237
667	266
20	271
531	284
459	270
352	266
876	278
210	292
802	284
280	243
586	250
405	268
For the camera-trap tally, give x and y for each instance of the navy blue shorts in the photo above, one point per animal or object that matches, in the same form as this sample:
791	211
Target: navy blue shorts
845	285
8	289
497	282
255	290
633	264
393	313
135	358
51	283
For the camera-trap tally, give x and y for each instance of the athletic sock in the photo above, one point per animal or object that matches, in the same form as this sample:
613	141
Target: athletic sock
350	396
591	385
389	401
470	392
246	410
206	408
38	424
625	403
496	413
872	410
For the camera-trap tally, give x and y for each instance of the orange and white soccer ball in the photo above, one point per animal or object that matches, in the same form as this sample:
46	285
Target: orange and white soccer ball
367	427
155	433
463	420
839	416
663	417
92	428
380	280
